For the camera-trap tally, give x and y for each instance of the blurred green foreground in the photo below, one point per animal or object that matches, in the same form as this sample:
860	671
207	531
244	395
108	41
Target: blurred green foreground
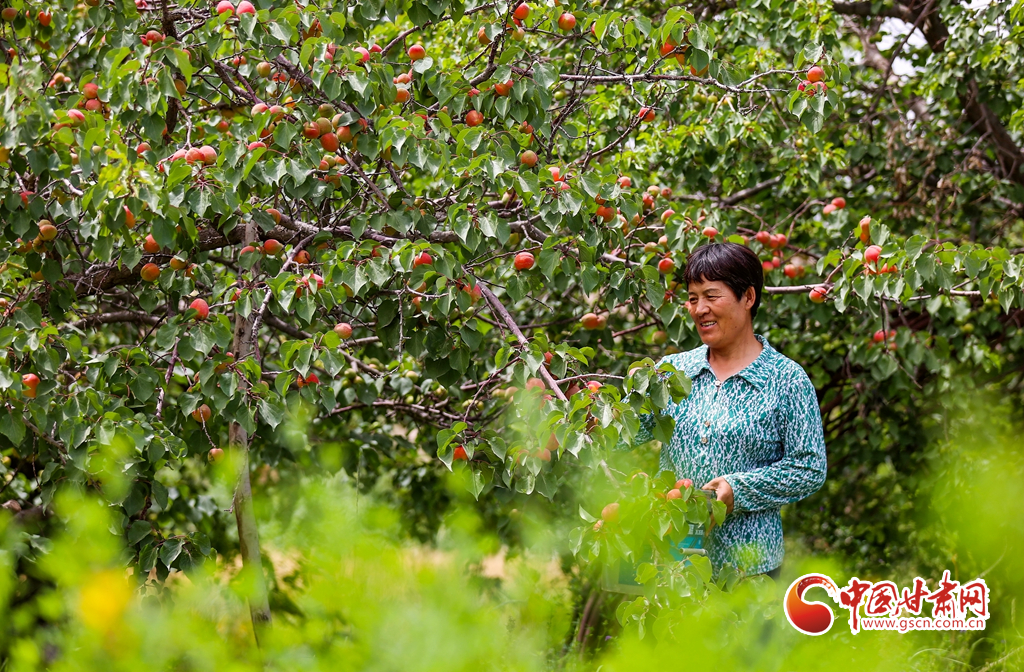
350	591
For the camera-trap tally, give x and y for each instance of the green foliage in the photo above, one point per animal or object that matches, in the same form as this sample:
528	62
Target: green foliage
454	353
350	592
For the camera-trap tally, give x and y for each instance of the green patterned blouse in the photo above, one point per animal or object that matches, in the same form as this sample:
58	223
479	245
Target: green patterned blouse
761	429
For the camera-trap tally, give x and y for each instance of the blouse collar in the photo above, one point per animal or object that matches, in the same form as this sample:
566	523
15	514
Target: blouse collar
756	373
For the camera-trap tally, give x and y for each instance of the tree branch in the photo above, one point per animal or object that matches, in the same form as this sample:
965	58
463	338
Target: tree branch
225	76
502	313
244	346
744	194
863	9
119	316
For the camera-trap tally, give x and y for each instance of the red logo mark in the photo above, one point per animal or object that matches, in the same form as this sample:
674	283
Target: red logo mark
810	618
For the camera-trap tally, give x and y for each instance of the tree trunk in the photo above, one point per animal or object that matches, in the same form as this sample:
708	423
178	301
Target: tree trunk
248	535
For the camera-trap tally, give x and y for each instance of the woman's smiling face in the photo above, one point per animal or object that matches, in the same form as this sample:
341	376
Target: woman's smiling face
721	319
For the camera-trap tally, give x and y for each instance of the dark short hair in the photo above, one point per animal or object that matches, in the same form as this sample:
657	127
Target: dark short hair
735	265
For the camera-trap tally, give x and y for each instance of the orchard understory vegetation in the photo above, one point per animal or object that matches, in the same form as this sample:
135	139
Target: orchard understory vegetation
319	324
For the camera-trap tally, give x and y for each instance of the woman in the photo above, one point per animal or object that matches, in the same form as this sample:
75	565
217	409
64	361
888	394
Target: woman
751	427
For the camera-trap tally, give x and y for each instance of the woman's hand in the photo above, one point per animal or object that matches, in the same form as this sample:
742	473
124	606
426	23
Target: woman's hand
723	489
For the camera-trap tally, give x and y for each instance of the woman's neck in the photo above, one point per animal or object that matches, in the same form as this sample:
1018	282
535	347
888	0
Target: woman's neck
730	358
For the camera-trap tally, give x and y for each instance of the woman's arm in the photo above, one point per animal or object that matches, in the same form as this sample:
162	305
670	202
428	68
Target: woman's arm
801	471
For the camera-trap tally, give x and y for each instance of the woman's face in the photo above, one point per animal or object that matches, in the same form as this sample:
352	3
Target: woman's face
721	319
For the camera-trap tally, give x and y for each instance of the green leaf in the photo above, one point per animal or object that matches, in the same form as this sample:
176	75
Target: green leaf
664	425
659	393
575	442
478	482
702	565
159	494
812	120
184	64
12	426
138	531
646	572
170	550
516	289
130	257
699	59
272	411
544	75
386	312
148	558
145	383
914	246
445	436
591	184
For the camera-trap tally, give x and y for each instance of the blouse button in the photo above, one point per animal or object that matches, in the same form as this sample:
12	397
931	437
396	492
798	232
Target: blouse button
707	423
703	439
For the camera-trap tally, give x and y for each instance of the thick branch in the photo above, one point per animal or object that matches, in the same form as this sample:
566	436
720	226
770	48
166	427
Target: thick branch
421	413
244	346
225	76
744	194
504	315
119	316
100	278
863	9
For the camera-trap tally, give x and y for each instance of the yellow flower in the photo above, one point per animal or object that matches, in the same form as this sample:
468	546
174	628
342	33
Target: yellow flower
104	599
